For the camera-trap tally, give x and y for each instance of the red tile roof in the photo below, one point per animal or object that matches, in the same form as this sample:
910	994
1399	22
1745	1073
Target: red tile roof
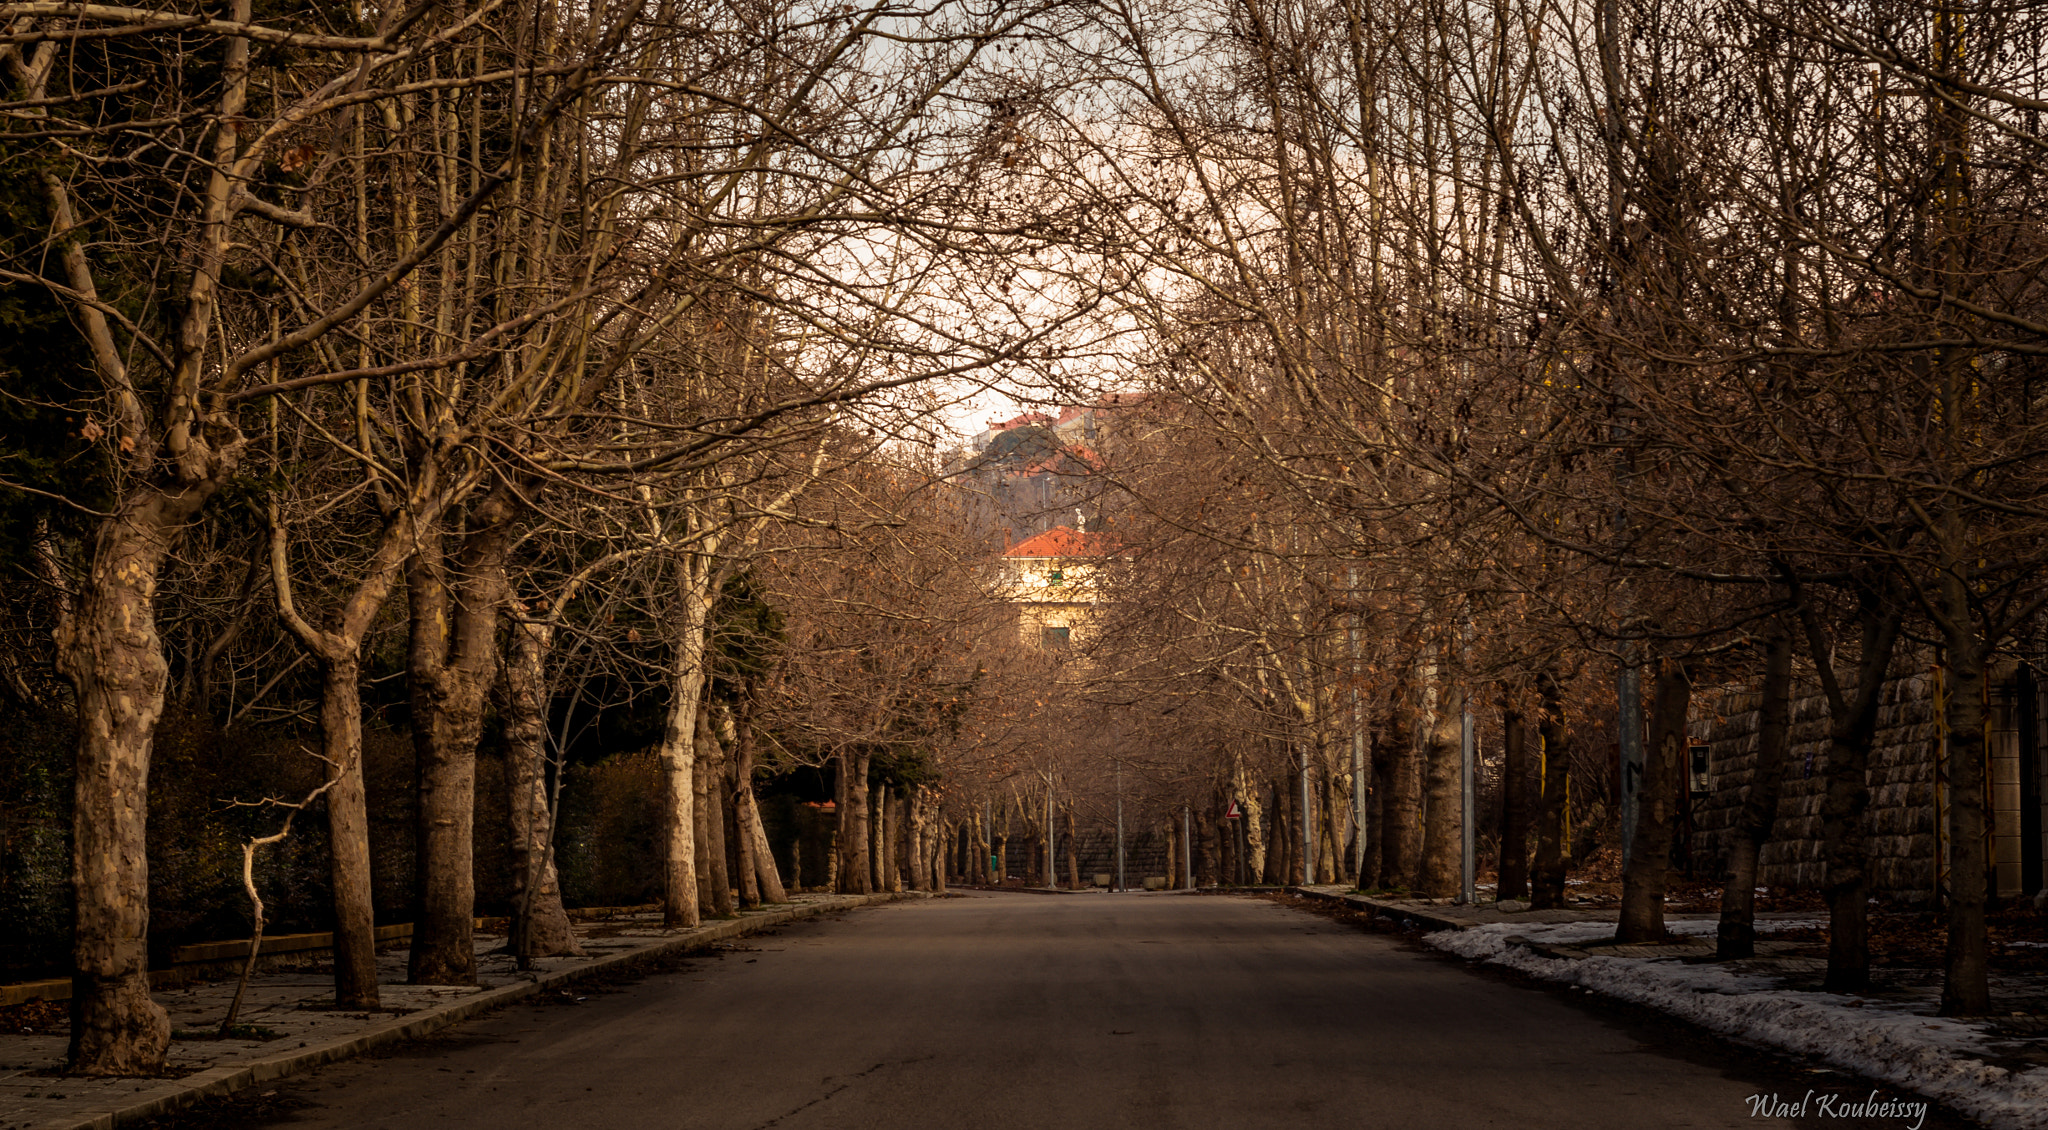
1062	541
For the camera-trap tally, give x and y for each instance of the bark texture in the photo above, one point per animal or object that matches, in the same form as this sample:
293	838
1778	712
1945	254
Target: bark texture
109	649
714	890
540	925
1402	828
1649	866
452	659
1735	937
1547	874
338	649
1852	731
1514	805
1443	812
678	755
855	875
348	835
1965	985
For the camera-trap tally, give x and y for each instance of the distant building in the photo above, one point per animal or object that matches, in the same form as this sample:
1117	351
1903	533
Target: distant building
1055	581
1033	472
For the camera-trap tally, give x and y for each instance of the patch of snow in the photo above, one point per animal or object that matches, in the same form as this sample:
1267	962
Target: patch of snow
1940	1058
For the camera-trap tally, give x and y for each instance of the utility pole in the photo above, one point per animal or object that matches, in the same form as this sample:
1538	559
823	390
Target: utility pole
1187	847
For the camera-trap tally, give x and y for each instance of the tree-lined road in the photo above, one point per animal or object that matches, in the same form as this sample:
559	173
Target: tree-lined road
1090	1011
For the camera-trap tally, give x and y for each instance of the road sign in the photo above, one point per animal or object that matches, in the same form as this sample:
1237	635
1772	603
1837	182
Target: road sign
1232	813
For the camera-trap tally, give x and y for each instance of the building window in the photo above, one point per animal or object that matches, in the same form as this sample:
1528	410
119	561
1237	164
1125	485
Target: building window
1054	637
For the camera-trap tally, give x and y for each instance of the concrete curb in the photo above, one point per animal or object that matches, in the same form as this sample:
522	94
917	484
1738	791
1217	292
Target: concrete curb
180	1093
1378	909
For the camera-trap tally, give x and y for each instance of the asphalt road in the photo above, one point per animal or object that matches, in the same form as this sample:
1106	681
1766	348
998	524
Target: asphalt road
994	1011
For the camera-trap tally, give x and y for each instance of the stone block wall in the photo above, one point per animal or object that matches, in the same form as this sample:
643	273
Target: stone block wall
1901	777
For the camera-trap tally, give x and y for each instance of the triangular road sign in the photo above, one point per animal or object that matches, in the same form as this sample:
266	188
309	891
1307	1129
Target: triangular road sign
1232	813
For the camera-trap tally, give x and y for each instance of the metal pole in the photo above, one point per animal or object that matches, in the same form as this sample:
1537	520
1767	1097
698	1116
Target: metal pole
1120	826
1051	872
1468	758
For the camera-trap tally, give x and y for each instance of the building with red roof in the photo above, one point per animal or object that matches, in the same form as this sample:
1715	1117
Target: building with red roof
1055	578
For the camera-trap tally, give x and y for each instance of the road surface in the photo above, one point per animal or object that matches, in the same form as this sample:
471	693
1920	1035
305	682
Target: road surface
1005	1010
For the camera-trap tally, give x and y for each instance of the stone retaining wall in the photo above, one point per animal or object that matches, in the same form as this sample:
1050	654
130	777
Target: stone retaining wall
1901	776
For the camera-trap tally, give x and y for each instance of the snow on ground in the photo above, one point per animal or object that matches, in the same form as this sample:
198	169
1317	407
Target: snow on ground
1936	1057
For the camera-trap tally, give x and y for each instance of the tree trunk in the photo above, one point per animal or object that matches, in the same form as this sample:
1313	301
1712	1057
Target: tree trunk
903	848
1000	848
1379	768
1443	802
769	879
1852	731
1073	850
1252	842
714	896
1547	874
109	649
348	835
745	868
1275	872
917	842
1965	985
1181	855
728	823
540	926
1664	768
882	841
1403	825
1330	868
760	881
1513	882
1735	937
955	845
341	722
679	751
855	872
451	659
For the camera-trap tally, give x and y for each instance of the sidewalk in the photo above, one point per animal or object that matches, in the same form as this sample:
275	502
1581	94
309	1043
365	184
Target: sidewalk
1994	1070
286	1008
